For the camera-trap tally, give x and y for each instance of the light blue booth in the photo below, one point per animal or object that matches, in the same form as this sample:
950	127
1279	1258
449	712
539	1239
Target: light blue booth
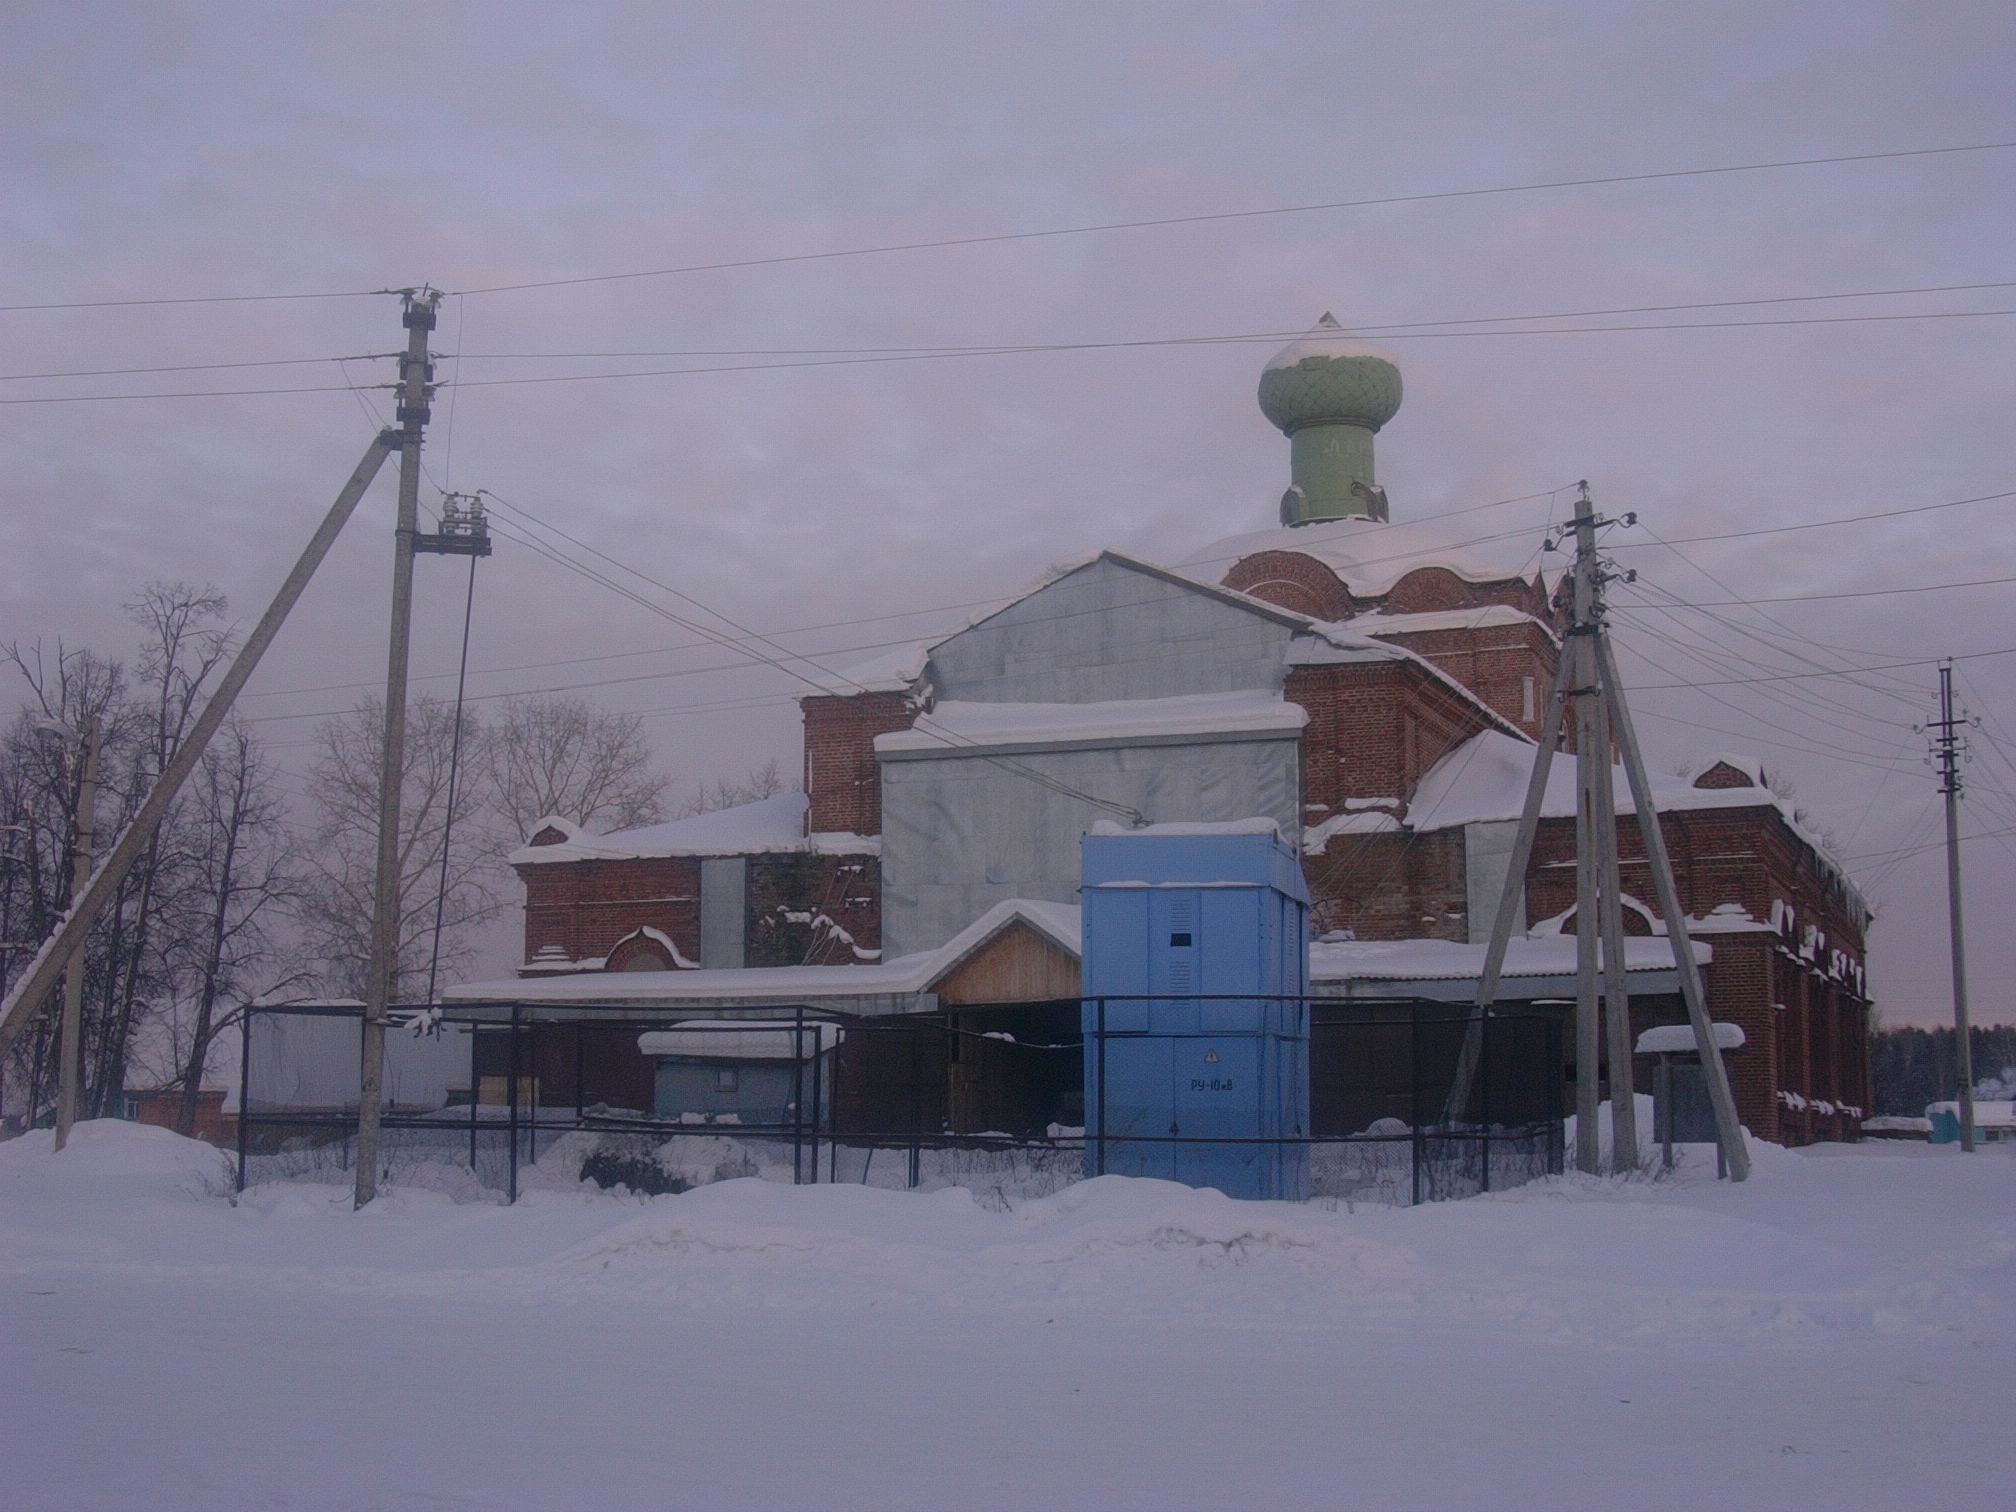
1196	976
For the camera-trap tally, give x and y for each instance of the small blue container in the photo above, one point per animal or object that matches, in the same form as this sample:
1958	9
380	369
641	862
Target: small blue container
1196	976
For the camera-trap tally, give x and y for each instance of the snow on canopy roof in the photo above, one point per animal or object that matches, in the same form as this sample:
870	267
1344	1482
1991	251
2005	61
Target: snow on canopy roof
1368	556
1678	1039
765	826
956	725
1254	826
785	986
1451	961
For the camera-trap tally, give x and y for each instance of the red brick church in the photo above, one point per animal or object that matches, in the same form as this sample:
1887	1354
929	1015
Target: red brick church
1375	688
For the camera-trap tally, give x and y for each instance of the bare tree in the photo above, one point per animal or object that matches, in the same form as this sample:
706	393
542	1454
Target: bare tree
560	754
336	907
765	781
184	642
243	872
38	778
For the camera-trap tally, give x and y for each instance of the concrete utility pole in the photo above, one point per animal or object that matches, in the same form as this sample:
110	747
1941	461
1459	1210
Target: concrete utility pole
40	978
1587	676
70	1056
415	389
1947	748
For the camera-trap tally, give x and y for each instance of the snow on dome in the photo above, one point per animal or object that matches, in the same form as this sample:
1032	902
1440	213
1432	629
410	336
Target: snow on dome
1368	556
1330	377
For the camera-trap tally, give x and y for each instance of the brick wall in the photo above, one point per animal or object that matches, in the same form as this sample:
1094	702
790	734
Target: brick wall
1509	667
1374	728
1407	886
1300	583
842	780
585	907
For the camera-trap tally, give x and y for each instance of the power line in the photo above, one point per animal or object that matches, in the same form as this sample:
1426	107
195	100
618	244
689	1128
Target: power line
195	299
1426	197
197	367
1359	328
1235	215
1883	514
1814	598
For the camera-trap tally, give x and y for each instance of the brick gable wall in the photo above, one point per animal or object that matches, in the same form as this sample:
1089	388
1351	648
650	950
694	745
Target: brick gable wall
585	907
842	780
1374	729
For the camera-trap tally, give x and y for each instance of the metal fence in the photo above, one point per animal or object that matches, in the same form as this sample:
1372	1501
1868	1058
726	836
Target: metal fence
490	1098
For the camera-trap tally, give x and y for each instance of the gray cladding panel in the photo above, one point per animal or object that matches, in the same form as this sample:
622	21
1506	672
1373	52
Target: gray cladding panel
961	833
1108	631
1487	859
724	884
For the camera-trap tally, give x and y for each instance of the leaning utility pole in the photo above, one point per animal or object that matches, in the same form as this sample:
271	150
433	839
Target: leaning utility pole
415	371
70	1054
1947	748
1587	677
47	965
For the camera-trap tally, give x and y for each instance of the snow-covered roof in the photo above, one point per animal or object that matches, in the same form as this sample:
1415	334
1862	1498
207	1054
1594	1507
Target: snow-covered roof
765	826
1987	1115
1485	779
733	1039
954	726
1368	556
784	986
894	670
1480	617
1453	961
1678	1039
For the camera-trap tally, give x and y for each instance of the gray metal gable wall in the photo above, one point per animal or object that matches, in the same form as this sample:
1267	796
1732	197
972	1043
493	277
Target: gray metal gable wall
1109	631
961	833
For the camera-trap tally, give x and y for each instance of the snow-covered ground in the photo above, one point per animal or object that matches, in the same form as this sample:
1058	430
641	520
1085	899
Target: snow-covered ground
1838	1332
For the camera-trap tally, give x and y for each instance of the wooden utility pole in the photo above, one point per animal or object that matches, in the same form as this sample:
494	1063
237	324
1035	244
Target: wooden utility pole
70	1054
1947	748
1587	676
415	389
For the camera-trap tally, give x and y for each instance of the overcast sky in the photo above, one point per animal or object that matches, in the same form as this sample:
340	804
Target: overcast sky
170	151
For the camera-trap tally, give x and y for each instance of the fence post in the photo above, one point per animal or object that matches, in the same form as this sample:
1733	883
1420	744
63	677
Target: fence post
916	1106
1100	1058
475	1091
1414	1080
818	1095
580	1073
1484	1101
511	1109
798	1097
244	1087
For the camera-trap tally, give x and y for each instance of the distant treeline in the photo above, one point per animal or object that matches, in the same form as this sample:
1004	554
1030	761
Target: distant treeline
1913	1067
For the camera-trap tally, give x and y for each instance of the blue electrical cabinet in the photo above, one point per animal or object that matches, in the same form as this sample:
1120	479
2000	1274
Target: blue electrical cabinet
1196	980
